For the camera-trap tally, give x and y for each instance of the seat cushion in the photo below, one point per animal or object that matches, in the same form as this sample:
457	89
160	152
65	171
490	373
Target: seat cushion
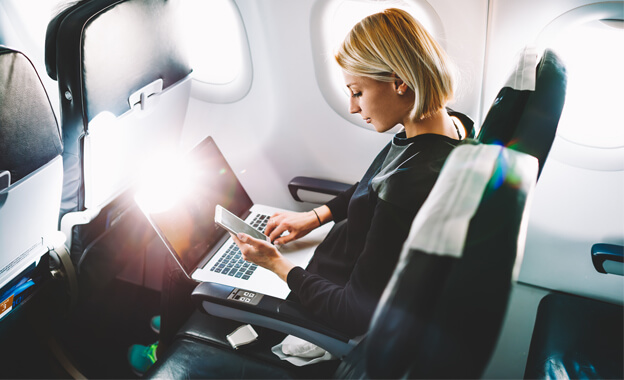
211	330
191	359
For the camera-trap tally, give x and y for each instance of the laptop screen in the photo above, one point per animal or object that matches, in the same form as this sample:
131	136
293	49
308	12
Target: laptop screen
188	227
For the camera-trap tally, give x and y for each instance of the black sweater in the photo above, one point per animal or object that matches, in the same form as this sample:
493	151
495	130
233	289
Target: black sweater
351	267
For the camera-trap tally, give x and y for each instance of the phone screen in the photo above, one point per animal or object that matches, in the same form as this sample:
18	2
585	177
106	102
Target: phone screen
234	224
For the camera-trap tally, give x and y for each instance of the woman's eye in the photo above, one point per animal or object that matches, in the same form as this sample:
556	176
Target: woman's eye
357	94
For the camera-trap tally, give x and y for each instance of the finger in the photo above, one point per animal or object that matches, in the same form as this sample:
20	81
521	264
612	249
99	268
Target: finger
285	239
273	222
252	241
235	238
271	225
242	238
243	247
277	232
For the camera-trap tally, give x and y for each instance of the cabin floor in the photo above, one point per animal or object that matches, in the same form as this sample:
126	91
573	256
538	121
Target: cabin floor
94	337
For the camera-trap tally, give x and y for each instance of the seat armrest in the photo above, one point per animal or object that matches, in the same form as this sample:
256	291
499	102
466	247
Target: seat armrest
315	185
608	258
270	312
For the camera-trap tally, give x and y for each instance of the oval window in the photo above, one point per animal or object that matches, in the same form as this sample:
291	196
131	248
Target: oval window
589	40
217	44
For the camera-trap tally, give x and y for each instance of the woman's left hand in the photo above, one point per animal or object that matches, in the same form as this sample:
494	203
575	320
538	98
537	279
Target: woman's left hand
264	254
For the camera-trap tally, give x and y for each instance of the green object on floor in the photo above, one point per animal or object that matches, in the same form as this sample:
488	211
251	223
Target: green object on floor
141	358
155	324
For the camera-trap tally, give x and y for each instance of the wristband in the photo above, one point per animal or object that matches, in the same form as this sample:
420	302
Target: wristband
317	217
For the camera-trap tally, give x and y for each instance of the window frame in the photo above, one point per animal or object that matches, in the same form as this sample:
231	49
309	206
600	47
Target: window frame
239	87
564	149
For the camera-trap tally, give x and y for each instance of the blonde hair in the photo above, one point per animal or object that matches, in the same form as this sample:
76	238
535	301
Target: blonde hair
393	42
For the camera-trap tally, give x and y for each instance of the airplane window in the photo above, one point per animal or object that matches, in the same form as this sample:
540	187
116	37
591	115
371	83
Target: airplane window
590	45
595	82
332	20
218	48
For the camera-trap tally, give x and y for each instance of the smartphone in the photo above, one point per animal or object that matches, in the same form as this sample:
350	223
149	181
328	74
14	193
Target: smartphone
234	224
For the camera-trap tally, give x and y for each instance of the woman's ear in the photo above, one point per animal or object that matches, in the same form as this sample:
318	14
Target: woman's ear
399	85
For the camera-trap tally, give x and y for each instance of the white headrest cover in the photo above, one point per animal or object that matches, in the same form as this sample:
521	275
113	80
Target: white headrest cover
523	75
442	223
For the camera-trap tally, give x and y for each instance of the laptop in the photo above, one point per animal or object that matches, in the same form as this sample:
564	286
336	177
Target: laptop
205	251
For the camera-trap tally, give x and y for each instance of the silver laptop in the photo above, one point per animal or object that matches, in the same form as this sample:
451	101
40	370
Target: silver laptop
205	251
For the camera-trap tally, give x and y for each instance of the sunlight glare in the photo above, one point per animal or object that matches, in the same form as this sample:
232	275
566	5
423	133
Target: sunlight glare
165	183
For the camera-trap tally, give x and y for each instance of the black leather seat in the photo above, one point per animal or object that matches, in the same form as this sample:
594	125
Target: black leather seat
124	86
114	61
576	338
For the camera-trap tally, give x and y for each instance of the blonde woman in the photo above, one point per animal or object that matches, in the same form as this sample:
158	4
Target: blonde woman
396	74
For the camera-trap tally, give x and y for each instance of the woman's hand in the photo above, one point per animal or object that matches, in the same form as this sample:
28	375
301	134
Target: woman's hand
263	253
298	224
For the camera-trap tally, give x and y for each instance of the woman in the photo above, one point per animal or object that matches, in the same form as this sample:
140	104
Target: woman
397	74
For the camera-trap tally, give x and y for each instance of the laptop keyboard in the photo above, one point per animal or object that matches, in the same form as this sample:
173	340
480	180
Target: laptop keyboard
231	263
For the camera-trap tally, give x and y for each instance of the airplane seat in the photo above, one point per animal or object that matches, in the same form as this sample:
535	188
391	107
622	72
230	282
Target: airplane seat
124	85
526	112
442	309
576	338
31	175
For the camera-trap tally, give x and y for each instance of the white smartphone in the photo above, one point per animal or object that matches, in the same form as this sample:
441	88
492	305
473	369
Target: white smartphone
234	224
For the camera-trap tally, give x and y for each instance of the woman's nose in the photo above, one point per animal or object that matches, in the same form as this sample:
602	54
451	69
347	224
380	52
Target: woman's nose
354	107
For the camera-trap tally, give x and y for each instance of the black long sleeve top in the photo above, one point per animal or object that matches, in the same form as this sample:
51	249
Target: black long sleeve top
351	267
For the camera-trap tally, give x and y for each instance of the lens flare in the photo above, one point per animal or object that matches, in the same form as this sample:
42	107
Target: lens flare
165	183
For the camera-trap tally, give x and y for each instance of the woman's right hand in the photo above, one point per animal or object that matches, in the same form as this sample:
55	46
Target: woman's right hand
298	224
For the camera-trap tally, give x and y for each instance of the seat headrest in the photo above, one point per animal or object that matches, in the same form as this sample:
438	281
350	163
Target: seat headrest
537	127
104	51
50	39
29	133
526	111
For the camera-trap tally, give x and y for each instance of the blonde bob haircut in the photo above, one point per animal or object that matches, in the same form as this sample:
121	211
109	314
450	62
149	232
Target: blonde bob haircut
392	44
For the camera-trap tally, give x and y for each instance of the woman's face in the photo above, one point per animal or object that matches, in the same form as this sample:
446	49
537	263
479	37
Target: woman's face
379	103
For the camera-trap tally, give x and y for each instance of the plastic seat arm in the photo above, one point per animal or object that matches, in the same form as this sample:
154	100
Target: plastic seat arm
316	185
608	258
270	312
